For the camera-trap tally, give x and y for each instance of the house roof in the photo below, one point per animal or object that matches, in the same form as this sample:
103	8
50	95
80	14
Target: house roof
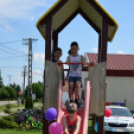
63	11
115	61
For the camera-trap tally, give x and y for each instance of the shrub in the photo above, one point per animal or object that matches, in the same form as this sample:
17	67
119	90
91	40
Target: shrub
37	100
8	106
9	118
8	111
7	122
29	103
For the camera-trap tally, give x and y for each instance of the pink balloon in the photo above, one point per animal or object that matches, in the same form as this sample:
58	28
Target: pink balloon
108	112
55	128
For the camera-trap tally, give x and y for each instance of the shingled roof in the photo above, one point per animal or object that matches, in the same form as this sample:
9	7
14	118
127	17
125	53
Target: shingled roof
115	61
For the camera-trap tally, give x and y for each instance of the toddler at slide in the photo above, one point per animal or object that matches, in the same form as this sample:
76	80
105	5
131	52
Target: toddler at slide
71	120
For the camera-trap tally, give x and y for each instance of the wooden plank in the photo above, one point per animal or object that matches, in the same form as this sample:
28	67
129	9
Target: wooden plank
97	79
53	73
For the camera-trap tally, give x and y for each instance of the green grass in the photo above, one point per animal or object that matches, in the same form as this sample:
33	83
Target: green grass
13	106
15	131
89	131
90	121
20	106
40	105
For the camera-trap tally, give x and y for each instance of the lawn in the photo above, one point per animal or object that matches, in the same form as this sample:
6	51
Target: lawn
15	131
37	104
13	106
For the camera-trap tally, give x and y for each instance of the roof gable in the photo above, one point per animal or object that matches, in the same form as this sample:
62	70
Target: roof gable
63	11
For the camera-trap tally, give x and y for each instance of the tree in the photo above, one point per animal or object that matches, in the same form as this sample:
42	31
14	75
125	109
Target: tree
11	92
37	89
15	87
3	94
1	81
29	103
41	83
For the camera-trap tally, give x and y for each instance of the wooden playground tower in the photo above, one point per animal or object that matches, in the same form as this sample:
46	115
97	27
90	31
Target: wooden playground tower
53	22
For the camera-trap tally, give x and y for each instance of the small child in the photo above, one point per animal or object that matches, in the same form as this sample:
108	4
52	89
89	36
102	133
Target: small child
71	121
56	58
57	55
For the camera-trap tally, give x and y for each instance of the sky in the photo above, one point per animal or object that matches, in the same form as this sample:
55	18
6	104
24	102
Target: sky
18	20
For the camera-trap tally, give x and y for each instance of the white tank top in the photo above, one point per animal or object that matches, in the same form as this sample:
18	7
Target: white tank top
75	69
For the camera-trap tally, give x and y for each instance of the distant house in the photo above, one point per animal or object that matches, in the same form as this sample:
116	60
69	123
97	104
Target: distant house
120	77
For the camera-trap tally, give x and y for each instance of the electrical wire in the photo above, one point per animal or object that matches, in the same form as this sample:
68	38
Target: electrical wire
16	25
11	48
11	42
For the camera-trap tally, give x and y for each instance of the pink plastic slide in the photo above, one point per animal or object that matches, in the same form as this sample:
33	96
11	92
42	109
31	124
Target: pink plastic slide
83	112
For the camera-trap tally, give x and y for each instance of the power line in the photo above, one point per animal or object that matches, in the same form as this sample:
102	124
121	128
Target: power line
14	56
11	48
5	51
11	42
16	25
10	66
11	30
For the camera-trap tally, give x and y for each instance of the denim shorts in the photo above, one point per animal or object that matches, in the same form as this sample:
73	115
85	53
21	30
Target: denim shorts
75	79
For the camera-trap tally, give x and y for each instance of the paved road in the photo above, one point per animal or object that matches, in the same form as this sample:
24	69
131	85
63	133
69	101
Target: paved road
6	102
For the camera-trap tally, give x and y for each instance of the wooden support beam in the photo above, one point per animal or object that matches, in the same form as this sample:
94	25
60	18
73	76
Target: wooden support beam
99	48
104	40
47	57
100	124
48	40
55	41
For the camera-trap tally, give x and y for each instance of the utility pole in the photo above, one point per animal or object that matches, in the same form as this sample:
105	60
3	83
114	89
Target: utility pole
9	78
24	74
30	40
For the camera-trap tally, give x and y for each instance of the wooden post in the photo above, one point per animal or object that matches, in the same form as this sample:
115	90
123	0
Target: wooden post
103	58
48	40
47	57
104	40
93	123
55	41
99	48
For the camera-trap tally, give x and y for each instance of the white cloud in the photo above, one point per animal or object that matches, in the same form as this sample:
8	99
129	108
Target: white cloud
39	57
120	52
21	8
37	72
95	49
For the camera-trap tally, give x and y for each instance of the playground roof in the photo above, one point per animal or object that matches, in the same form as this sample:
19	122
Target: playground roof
63	11
115	61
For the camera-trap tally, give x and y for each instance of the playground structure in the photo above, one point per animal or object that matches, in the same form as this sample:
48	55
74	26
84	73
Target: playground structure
49	25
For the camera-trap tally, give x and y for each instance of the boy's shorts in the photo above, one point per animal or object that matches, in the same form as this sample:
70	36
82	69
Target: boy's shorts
75	79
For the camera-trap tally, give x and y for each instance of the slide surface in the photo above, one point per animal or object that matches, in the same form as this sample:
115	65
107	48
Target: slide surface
82	112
